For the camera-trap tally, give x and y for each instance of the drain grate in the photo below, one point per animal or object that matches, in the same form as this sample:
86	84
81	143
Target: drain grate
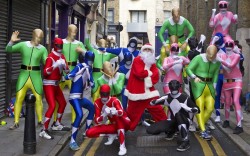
154	141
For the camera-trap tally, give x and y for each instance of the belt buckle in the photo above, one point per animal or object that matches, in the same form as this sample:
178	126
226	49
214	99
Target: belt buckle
57	83
29	67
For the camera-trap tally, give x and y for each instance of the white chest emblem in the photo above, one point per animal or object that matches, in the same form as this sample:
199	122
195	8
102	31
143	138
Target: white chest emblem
225	22
175	106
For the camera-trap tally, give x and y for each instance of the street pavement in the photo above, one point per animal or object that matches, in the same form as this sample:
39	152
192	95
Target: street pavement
137	142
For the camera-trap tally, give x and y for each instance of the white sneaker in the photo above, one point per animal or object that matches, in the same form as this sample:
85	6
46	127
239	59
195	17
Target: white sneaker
217	119
145	123
111	139
122	151
59	128
192	128
45	134
210	126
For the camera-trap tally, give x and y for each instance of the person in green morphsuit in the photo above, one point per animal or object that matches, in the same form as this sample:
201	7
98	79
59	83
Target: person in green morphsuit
32	54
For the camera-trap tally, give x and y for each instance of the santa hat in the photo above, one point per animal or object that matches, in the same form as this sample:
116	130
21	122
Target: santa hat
147	45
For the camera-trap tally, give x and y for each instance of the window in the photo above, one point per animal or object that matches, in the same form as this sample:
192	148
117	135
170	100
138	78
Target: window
111	15
138	16
167	14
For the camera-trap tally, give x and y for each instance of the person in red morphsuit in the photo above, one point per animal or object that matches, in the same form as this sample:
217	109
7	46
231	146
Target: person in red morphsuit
54	66
107	107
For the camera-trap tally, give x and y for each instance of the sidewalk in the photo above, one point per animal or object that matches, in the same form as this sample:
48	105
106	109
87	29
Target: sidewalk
243	139
12	140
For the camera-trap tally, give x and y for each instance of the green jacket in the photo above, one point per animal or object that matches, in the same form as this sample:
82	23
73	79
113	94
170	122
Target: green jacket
100	58
116	86
69	51
31	56
176	29
200	66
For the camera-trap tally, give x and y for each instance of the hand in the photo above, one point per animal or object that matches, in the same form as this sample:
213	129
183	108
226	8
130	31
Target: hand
79	49
14	37
63	63
197	80
102	49
215	38
107	110
152	103
113	111
218	58
203	37
194	110
150	73
184	45
213	11
179	61
80	71
58	63
235	17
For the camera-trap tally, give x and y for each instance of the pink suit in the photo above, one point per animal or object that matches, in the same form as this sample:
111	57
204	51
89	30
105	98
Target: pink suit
173	67
221	23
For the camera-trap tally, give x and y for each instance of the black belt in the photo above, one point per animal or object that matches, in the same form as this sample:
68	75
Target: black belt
230	80
96	70
205	79
178	36
30	67
71	63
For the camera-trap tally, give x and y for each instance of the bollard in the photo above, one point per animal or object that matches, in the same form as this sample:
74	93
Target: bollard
29	141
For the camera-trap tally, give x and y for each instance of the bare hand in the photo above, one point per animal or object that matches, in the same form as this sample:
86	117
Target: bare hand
14	37
184	46
79	49
197	80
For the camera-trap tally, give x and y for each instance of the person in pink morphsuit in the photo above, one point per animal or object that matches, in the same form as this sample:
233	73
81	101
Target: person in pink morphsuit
221	22
173	66
232	84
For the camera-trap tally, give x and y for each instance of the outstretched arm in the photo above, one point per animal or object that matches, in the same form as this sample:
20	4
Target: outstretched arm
160	101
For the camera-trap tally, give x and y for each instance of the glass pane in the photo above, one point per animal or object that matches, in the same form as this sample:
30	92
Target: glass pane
134	16
110	15
167	14
141	17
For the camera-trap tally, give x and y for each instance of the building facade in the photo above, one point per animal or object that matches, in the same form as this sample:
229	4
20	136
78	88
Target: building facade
199	12
52	16
139	18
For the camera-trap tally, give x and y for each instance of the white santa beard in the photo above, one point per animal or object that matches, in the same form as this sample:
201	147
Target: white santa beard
148	58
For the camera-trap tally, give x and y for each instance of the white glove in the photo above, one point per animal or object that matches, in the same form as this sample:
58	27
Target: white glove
63	63
215	38
80	71
236	49
57	64
150	73
218	58
235	16
107	110
113	111
214	84
164	44
180	61
186	40
213	12
202	38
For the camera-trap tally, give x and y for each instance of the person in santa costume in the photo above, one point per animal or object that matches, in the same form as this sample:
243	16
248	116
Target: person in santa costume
54	66
140	88
107	107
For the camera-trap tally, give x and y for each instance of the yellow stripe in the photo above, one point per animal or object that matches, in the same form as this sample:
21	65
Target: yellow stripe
218	148
82	147
94	147
205	147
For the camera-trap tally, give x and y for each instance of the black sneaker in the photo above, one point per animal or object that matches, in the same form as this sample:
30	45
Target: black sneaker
238	130
231	108
15	126
225	124
185	145
170	136
222	106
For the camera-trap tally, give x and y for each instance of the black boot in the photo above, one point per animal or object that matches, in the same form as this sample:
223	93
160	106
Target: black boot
238	130
185	145
225	124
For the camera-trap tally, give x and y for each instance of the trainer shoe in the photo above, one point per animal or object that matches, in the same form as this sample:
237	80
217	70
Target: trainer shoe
210	126
225	124
45	134
122	151
205	135
238	130
192	128
15	126
170	136
40	124
217	119
185	145
111	139
60	127
145	123
73	146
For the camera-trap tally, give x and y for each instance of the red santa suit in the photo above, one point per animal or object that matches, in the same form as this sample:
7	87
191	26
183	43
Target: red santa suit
119	122
140	89
54	66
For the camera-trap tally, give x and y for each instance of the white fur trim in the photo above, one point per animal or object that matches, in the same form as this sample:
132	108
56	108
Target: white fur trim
148	94
147	46
171	21
148	82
